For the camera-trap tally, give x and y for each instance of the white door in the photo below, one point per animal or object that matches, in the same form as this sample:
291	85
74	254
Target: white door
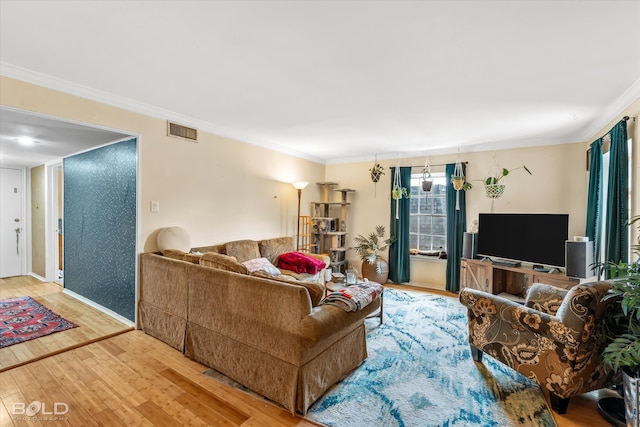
11	223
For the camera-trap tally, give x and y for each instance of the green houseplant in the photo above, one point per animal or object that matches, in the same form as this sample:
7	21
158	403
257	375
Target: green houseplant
621	327
492	185
376	171
369	249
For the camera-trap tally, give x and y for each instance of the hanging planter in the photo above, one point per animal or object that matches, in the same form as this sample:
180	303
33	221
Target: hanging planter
376	172
492	188
458	181
427	181
493	191
398	191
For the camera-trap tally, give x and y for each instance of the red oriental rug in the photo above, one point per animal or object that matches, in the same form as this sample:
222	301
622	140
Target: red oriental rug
23	319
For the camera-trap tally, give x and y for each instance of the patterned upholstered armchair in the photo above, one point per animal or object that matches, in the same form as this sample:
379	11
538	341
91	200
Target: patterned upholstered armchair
550	339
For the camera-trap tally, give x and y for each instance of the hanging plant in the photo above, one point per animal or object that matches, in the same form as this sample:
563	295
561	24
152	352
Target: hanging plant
427	181
459	182
398	191
376	172
493	189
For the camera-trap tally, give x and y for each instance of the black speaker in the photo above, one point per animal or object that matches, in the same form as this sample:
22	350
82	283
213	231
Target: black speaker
470	245
579	258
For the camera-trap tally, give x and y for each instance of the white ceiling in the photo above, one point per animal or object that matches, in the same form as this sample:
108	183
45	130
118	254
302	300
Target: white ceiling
52	139
337	81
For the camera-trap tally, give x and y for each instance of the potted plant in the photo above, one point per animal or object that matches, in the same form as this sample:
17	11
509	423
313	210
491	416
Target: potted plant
376	171
492	186
427	181
621	328
459	183
399	192
369	248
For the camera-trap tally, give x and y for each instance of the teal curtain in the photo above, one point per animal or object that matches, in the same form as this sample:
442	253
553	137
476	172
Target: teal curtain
456	225
594	197
616	238
399	230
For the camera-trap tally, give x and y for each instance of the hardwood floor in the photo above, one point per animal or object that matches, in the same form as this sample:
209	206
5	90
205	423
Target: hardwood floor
134	379
93	324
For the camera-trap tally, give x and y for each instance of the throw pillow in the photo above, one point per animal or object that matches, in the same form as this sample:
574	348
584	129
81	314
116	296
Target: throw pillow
173	238
315	290
263	264
300	263
223	262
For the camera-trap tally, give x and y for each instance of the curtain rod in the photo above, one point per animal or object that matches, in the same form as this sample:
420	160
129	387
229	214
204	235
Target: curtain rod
625	118
439	164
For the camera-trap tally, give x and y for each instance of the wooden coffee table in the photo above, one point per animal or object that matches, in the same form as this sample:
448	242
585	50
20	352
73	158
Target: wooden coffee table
335	287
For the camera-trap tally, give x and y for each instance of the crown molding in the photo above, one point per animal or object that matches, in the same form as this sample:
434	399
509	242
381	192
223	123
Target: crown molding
611	111
607	114
50	82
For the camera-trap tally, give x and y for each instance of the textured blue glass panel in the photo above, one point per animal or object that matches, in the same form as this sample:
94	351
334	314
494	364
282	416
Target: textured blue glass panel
100	226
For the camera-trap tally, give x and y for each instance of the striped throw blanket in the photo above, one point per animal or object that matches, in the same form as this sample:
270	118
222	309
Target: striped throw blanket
354	297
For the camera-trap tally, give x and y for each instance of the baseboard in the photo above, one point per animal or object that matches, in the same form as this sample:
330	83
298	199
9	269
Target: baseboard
427	286
100	308
40	278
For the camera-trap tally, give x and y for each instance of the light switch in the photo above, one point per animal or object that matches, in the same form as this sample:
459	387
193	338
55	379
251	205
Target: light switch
155	206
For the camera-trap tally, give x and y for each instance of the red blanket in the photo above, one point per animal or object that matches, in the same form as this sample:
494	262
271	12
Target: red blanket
300	263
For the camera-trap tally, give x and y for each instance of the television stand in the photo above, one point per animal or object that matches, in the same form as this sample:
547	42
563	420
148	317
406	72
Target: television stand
490	276
506	263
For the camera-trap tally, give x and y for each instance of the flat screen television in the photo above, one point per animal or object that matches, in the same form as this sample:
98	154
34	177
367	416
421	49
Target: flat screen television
534	238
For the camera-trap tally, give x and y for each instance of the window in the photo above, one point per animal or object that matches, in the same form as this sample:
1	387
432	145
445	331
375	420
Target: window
428	214
605	189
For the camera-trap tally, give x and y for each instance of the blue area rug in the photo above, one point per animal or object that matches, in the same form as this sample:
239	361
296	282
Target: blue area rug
420	373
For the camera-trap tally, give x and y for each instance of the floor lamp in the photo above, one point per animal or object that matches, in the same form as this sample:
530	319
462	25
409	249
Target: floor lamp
299	186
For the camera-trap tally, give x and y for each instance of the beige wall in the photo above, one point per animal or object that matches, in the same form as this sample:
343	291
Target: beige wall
559	185
38	248
221	189
218	189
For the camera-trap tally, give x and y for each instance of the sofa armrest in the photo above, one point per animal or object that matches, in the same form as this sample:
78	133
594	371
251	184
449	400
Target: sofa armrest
321	257
491	308
326	320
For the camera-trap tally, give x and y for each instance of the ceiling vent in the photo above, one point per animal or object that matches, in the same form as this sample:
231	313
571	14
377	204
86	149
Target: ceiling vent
180	131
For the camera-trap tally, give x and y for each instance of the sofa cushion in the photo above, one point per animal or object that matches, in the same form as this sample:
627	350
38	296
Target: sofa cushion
223	262
183	256
272	248
192	258
315	290
243	250
263	264
300	263
173	253
213	248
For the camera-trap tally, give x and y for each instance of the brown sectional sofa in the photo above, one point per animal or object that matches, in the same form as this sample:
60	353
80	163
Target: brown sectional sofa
265	334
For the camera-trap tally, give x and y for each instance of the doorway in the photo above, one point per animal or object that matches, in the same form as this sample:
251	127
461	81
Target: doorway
54	221
12	234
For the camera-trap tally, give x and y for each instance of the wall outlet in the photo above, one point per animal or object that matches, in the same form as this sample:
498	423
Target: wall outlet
155	206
